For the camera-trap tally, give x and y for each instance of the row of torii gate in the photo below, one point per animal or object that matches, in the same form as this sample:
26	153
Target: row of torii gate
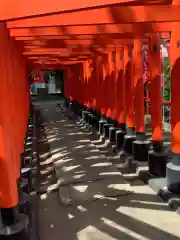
98	44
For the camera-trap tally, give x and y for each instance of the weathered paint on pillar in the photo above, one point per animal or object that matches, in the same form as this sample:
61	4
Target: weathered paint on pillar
129	91
155	88
138	86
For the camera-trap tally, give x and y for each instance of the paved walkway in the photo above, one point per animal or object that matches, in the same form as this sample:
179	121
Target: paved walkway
93	201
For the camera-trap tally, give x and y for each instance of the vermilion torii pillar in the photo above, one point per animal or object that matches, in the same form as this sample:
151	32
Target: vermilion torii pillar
110	83
129	99
157	158
10	159
141	145
120	98
173	168
110	97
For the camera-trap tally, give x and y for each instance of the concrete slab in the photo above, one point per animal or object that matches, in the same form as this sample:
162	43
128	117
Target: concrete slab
138	216
85	174
90	191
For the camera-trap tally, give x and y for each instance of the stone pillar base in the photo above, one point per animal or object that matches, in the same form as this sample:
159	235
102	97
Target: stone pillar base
157	163
112	134
119	139
101	126
173	174
106	129
13	226
128	143
140	150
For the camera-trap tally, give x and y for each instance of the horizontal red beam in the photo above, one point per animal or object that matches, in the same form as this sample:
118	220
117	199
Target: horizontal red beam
71	43
41	38
10	9
105	36
58	63
48	51
57	58
105	15
91	30
65	52
55	43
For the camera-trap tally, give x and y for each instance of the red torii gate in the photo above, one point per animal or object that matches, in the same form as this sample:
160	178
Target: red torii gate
98	44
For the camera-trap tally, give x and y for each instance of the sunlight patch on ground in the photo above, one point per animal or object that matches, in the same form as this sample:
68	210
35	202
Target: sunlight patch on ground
83	141
158	218
105	164
92	233
110	174
79	147
55	139
70	168
70	216
123	229
58	149
81	188
81	208
95	157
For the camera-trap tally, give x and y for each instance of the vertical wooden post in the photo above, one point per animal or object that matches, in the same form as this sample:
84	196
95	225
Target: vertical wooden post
138	89
129	99
104	93
121	107
155	91
173	167
157	159
109	83
140	146
9	158
120	98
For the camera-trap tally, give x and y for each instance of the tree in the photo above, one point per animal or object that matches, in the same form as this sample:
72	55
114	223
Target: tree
167	79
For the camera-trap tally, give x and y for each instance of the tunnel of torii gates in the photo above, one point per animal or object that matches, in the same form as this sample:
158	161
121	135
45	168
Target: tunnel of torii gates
98	44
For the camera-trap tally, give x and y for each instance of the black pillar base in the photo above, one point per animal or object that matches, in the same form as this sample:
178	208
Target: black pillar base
90	119
101	126
106	129
119	139
84	115
112	134
128	143
24	197
26	160
173	174
13	226
94	121
157	163
140	150
24	204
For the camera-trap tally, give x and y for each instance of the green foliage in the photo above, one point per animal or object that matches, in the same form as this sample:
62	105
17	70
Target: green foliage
167	80
52	73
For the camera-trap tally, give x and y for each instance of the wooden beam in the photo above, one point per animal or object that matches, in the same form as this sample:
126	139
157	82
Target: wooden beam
65	62
65	52
41	38
11	9
129	35
105	15
48	51
91	30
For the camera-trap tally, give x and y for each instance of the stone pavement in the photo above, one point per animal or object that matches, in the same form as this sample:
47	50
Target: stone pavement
93	201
